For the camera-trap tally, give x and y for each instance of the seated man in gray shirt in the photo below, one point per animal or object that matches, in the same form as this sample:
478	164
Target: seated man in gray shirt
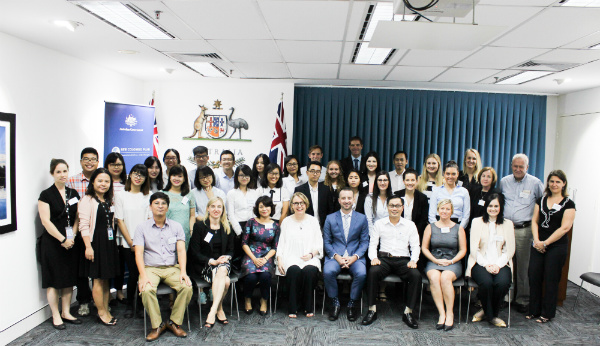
159	246
520	191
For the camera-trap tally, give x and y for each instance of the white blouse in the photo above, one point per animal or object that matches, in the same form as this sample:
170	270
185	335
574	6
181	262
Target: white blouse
381	211
240	206
133	209
279	196
491	253
202	199
290	184
298	238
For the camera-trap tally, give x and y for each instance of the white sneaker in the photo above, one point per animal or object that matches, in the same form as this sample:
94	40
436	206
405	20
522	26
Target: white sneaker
84	310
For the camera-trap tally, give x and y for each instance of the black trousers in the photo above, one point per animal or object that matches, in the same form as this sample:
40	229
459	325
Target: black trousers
492	288
84	293
238	252
129	257
301	284
398	266
119	280
544	275
264	283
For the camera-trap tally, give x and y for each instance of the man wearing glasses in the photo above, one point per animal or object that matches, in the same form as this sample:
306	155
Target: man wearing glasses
80	182
399	249
319	194
224	174
201	158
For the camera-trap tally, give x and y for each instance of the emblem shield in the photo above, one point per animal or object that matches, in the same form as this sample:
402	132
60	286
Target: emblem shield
216	125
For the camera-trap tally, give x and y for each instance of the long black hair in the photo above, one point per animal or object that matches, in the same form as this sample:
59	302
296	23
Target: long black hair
176	170
266	162
269	168
247	171
488	199
149	162
108	196
112	158
376	156
377	191
143	171
286	161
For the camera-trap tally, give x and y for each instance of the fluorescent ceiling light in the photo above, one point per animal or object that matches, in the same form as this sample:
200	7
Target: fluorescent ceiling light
581	3
371	56
523	77
70	25
384	11
206	69
596	46
124	18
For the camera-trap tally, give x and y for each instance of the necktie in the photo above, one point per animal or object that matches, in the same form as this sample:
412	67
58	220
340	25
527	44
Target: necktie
346	226
356	164
272	192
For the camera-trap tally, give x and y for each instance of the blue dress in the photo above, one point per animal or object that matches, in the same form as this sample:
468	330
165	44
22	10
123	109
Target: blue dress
260	239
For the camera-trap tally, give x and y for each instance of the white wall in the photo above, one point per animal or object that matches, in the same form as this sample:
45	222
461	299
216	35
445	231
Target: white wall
59	107
177	107
577	144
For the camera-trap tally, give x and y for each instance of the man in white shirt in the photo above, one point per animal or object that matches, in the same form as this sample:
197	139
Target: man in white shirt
396	179
224	174
315	153
201	158
399	249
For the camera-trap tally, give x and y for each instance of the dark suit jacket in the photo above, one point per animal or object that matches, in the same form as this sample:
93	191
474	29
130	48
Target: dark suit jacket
419	212
199	251
360	201
325	201
348	165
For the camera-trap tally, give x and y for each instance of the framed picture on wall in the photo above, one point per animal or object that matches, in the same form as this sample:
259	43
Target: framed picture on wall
8	195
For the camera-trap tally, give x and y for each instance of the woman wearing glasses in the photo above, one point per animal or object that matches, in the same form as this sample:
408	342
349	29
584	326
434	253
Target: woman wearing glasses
205	190
115	163
376	205
292	177
171	158
272	186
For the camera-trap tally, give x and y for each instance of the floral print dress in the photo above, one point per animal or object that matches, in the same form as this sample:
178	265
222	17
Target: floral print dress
260	239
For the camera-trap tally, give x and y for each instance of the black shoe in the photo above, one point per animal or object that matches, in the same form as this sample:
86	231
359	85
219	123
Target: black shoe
335	313
75	321
262	313
448	328
522	308
249	312
410	320
59	326
370	317
352	314
439	326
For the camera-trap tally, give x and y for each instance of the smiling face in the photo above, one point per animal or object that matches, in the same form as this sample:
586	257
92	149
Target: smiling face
264	211
346	199
493	208
400	162
556	185
451	175
153	171
201	159
177	180
61	173
410	182
115	169
382	183
445	211
371	164
395	207
299	206
292	166
432	166
243	179
159	207
273	177
89	163
102	183
355	147
137	179
471	160
227	161
205	180
170	160
215	209
519	168
315	155
353	180
333	171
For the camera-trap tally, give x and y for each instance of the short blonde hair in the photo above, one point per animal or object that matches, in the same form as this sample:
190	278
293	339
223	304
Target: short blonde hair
444	202
302	197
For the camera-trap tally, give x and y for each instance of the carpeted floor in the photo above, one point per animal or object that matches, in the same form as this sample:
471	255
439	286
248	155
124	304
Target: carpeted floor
579	327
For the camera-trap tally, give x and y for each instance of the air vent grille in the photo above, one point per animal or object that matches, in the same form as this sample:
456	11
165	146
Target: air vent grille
199	57
554	66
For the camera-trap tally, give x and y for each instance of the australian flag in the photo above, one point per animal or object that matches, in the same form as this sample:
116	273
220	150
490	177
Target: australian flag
278	145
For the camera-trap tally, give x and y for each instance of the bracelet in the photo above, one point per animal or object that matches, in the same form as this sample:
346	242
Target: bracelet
452	261
64	240
544	244
312	255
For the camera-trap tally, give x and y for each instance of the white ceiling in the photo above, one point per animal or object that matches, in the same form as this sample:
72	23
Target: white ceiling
312	42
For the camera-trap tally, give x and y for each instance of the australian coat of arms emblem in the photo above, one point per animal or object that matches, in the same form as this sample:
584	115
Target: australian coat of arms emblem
217	126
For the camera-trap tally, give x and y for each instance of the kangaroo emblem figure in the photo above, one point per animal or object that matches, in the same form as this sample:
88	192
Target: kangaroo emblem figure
237	124
199	122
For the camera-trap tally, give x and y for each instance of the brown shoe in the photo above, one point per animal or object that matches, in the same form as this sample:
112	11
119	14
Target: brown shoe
155	333
176	329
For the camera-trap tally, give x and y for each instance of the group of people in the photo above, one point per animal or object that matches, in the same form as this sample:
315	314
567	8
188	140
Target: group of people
348	216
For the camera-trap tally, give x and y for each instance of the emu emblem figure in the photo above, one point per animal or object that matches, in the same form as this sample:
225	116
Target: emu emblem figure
237	124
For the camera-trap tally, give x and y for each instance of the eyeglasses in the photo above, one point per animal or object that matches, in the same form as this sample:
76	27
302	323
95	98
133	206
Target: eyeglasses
395	206
273	174
297	204
198	157
314	171
292	164
227	160
382	180
242	176
136	175
88	160
204	177
116	165
173	158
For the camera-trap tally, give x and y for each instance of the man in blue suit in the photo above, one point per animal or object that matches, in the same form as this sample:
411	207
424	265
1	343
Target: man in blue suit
346	240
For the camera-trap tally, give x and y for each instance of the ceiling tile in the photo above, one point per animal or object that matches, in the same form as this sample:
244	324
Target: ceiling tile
348	51
571	55
180	46
585	42
314	71
356	20
248	50
306	20
507	16
465	75
310	51
223	19
414	74
372	72
417	57
500	57
499	75
553	28
169	20
263	70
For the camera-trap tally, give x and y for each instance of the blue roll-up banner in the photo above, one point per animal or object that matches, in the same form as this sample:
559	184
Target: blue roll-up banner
128	129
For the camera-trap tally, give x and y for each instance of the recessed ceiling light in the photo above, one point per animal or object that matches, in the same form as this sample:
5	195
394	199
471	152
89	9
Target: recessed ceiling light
206	69
371	56
522	77
126	51
70	25
127	18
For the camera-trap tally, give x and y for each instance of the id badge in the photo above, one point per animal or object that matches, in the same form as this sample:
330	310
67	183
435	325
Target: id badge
112	208
110	233
69	230
556	207
481	202
445	229
208	237
73	200
184	200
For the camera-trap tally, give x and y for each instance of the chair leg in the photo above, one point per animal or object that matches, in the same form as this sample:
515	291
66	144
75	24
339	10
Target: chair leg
459	304
276	292
187	309
314	300
421	302
237	307
323	308
200	306
577	297
468	307
271	301
145	327
232	288
509	308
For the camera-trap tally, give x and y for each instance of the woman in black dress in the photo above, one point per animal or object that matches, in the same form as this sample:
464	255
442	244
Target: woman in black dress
209	256
57	207
360	194
97	229
553	218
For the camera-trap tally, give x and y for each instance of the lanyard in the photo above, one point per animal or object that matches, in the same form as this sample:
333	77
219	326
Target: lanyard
107	213
67	207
